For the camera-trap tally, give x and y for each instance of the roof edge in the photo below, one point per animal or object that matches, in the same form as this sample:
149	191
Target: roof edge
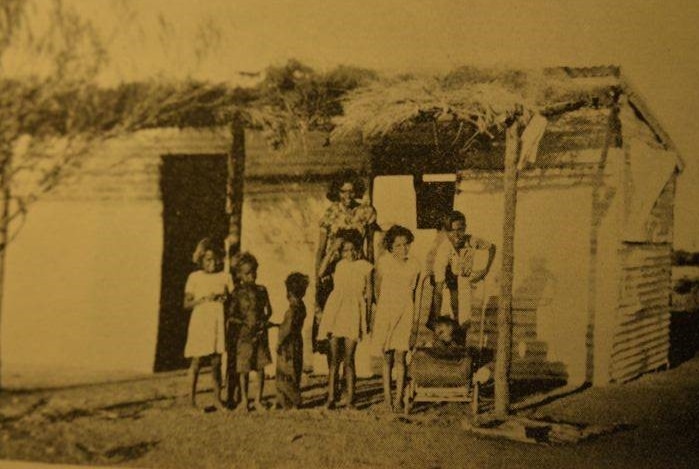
636	99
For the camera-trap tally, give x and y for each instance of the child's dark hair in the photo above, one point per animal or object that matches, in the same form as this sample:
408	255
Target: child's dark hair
351	236
445	321
206	244
244	258
394	232
296	284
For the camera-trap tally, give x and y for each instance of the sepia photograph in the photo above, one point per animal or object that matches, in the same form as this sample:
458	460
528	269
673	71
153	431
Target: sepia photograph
349	234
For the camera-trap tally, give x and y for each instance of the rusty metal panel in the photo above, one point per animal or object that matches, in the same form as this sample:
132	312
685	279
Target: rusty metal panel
642	335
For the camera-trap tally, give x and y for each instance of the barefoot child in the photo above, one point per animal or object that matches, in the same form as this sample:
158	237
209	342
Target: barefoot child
290	344
344	319
250	313
396	279
205	292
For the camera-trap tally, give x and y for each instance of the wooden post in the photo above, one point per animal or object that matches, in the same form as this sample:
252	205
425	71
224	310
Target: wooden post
234	187
4	227
503	356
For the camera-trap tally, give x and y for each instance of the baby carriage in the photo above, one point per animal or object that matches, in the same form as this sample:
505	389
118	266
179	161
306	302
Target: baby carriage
442	374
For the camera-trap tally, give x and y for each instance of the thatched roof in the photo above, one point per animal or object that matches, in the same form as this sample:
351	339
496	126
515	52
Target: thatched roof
456	119
390	112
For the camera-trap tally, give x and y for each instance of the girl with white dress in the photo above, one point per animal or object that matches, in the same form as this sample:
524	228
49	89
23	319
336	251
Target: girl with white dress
205	292
396	279
344	320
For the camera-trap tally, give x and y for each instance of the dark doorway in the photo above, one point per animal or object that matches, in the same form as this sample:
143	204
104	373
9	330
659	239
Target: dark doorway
193	189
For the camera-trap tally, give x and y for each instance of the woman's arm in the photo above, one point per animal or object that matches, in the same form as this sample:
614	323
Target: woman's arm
368	294
322	241
378	278
332	256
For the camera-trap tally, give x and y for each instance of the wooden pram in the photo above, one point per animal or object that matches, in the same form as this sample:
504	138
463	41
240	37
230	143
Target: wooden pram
440	374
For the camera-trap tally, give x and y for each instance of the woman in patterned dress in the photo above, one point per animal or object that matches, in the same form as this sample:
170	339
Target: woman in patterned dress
345	213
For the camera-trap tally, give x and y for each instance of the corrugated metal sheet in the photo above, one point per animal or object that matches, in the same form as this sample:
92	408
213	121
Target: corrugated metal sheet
642	335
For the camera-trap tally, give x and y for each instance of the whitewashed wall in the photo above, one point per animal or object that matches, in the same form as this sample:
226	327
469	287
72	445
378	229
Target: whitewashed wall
82	292
552	255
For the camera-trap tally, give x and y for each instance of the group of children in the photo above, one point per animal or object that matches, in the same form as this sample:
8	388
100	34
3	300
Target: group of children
232	315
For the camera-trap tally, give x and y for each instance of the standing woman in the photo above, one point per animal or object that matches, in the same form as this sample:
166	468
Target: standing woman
345	213
396	278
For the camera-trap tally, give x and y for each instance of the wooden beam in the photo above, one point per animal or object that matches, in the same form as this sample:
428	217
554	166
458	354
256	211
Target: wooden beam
503	355
235	184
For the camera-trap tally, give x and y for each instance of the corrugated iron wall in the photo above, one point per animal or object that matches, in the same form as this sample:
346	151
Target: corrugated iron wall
642	341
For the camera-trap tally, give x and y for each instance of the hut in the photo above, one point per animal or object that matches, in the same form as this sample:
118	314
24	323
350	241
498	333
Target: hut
594	229
593	243
96	275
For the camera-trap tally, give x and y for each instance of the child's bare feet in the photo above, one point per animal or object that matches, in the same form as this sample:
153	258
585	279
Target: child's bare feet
219	405
348	404
259	406
242	407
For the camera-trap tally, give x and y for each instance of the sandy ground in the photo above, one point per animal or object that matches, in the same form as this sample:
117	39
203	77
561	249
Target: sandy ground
146	423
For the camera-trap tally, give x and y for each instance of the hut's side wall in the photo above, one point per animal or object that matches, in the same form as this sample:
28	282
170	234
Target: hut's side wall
550	292
642	324
642	333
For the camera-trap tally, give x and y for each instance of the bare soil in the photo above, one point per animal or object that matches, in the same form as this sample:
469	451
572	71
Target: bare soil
147	423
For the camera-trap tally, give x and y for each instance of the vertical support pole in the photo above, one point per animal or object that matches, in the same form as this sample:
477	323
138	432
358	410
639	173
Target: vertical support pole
503	356
5	196
235	187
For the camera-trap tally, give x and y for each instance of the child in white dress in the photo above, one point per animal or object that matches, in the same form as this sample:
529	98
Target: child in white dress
344	320
206	291
396	278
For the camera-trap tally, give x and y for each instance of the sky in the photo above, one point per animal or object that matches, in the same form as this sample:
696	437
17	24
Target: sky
655	42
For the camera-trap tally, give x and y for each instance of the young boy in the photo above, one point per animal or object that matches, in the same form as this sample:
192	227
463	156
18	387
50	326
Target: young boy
290	344
250	312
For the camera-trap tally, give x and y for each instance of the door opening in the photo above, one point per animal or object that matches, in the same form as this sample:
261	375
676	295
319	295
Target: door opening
193	189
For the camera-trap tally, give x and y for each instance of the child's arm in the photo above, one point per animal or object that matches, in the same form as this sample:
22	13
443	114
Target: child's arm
284	329
368	295
268	306
189	301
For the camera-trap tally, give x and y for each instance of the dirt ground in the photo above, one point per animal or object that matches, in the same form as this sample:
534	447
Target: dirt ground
146	423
